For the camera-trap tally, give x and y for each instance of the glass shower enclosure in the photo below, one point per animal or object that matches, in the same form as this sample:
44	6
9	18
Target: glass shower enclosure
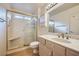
21	30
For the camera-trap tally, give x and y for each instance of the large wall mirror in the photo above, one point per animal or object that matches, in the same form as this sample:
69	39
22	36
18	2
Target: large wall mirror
66	21
58	25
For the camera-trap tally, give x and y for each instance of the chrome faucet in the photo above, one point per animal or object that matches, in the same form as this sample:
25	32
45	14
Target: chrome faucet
61	35
67	36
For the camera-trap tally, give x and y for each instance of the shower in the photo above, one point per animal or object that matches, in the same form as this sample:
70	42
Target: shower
21	30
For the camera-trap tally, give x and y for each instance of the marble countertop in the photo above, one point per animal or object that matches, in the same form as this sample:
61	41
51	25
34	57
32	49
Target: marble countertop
69	43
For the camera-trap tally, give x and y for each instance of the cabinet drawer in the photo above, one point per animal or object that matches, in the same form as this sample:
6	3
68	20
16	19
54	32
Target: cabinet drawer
41	40
50	44
58	50
70	52
44	51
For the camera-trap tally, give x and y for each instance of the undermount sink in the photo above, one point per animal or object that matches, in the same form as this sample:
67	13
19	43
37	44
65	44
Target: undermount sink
50	36
62	40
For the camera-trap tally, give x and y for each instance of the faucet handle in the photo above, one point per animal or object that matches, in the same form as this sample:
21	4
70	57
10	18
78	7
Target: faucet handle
62	34
68	36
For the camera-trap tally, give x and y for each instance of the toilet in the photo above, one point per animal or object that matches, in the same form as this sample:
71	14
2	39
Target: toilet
34	45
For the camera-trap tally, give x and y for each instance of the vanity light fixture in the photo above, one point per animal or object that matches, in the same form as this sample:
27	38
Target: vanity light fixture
50	5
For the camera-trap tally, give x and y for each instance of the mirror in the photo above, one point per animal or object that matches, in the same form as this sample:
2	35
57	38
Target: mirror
58	25
66	21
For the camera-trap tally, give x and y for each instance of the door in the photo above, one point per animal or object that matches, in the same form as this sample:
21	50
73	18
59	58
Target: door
44	51
2	37
70	52
2	32
58	50
21	26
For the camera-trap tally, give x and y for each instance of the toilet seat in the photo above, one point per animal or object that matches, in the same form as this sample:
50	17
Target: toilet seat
34	44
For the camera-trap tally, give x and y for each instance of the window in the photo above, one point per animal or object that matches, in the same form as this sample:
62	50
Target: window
27	17
18	16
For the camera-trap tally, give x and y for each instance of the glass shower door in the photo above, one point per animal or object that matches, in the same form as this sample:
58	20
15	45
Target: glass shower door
22	28
30	30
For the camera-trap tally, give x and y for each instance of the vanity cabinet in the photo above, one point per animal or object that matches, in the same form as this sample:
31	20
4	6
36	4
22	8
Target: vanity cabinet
70	52
41	40
44	51
50	45
58	50
49	48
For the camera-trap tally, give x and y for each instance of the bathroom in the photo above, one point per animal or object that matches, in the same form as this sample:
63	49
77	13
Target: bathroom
40	29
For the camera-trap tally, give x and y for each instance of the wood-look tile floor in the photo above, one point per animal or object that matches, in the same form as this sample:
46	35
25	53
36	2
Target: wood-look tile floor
25	52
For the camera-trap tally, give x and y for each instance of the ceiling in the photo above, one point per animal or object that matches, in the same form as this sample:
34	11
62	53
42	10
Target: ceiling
31	8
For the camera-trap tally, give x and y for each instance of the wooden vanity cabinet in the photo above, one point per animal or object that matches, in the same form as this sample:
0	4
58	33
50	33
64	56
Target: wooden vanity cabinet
41	40
70	52
50	45
58	50
49	48
44	51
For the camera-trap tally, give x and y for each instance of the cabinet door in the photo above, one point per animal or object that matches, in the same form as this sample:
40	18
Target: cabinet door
44	51
50	45
70	52
58	50
41	40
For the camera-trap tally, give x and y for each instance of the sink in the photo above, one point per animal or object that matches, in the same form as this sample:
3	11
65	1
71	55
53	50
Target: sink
62	40
57	39
50	36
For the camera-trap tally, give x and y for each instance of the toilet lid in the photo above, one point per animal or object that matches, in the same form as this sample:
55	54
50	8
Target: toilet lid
34	43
